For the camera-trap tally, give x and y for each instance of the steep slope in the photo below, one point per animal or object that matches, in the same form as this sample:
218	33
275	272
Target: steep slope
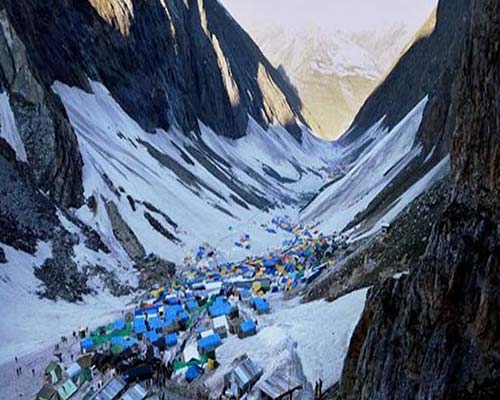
435	333
130	133
165	63
400	140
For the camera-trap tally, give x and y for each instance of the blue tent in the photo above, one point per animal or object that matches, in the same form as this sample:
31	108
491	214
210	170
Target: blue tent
172	300
271	262
152	336
171	339
191	305
87	344
219	307
119	325
155	323
183	316
209	343
260	305
124	342
248	327
139	326
193	373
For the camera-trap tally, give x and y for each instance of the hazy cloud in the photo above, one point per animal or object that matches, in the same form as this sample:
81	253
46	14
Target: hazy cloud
345	15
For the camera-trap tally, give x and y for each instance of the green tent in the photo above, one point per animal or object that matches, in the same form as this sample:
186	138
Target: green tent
67	389
116	349
54	372
85	376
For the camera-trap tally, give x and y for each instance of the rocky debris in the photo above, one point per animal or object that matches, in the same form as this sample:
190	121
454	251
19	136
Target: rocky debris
435	333
59	274
154	269
188	61
388	253
3	259
123	233
152	208
93	240
92	203
26	216
109	279
111	186
157	226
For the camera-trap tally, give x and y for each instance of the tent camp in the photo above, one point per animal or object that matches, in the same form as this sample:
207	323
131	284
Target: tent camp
243	376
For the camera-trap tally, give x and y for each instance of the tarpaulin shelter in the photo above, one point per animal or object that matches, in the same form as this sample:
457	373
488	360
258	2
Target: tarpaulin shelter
86	345
111	390
247	328
67	389
47	392
193	372
119	324
54	372
260	305
243	376
209	343
136	392
74	370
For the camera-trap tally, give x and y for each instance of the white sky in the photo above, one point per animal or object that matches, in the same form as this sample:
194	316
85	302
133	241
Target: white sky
344	15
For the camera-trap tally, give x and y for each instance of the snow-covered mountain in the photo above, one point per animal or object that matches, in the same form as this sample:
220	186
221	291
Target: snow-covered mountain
333	71
399	142
130	128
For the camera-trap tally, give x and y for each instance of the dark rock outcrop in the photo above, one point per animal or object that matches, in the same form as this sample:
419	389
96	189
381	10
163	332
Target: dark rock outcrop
50	143
179	60
435	334
3	259
123	233
59	274
428	68
387	254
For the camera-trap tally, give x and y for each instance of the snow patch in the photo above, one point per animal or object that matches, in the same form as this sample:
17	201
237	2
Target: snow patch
8	127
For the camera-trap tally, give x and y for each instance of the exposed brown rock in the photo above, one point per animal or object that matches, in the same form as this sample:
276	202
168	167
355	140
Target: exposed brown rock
436	333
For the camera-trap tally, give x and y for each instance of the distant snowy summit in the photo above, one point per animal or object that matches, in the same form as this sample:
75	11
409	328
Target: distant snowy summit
333	71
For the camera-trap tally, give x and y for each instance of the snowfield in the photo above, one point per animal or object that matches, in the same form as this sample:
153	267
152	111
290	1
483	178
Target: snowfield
204	185
319	332
30	323
383	159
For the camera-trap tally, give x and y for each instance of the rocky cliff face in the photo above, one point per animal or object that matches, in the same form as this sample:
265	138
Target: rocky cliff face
165	62
426	72
176	62
427	68
436	333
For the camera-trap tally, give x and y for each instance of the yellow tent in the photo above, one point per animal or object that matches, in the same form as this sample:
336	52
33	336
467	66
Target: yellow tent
256	286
